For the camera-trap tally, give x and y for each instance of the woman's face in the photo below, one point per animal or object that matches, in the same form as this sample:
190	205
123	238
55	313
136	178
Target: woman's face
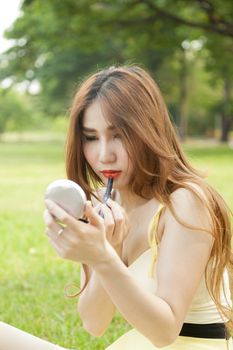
103	148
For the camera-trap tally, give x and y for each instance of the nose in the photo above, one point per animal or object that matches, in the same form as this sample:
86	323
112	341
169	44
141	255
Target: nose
107	152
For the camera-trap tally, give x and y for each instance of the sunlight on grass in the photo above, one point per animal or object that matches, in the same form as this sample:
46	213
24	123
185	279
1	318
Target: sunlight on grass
217	164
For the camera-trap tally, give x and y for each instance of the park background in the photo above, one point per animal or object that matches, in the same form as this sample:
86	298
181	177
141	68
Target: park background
186	45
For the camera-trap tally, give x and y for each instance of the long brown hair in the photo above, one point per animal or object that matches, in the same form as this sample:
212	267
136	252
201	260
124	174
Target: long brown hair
132	102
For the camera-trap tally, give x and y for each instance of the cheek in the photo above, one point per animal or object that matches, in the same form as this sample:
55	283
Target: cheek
128	162
90	155
131	169
124	154
131	166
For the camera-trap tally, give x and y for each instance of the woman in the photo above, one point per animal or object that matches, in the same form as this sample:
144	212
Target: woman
160	249
160	253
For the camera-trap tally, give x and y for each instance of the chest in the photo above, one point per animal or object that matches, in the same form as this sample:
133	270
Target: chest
136	242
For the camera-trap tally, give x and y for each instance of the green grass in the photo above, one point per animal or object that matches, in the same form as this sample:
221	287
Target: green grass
217	163
32	276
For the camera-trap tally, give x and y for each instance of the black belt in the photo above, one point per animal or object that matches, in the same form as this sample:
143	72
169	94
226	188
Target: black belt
212	331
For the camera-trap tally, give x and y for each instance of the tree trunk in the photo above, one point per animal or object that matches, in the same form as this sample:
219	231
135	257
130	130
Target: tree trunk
226	115
226	123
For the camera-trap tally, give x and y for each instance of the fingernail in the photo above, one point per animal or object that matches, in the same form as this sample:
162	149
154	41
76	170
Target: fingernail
49	203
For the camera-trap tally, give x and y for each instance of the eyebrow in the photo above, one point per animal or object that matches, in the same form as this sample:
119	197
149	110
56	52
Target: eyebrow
84	128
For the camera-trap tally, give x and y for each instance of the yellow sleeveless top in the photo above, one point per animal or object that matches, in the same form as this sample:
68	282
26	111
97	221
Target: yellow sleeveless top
202	309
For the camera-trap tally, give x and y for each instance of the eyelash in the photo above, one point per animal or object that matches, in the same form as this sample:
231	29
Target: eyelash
88	138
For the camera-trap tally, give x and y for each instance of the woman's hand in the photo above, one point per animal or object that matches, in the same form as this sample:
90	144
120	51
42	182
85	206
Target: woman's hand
78	241
116	223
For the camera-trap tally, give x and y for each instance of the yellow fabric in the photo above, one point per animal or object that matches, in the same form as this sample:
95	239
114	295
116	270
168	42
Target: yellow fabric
133	340
152	238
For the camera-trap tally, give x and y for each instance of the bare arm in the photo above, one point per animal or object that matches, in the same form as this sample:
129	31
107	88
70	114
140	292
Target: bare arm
183	255
182	259
95	307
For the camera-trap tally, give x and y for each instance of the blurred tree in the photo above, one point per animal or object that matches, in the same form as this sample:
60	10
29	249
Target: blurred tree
220	63
57	42
214	16
15	111
210	20
202	97
49	46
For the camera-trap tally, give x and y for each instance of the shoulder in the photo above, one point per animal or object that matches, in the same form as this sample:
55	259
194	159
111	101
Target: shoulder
191	192
184	249
190	205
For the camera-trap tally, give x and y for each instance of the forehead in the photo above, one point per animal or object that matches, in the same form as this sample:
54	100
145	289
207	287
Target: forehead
94	117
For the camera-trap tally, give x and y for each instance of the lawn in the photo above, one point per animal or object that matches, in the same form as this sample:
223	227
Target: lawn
32	276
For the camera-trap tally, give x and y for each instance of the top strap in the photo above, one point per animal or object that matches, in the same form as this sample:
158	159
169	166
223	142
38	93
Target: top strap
153	239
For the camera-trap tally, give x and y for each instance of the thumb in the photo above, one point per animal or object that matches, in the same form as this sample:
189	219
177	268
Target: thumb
92	215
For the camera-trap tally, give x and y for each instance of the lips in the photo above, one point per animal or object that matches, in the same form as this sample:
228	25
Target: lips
111	173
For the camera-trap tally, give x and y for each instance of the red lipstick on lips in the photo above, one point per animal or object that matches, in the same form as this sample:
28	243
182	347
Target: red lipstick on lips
111	173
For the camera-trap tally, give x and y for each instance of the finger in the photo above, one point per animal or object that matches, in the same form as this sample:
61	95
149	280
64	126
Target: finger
97	208
48	218
121	221
108	219
92	215
56	245
107	215
51	223
61	214
117	210
52	235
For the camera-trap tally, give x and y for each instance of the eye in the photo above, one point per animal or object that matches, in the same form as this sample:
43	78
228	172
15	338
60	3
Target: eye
116	136
89	138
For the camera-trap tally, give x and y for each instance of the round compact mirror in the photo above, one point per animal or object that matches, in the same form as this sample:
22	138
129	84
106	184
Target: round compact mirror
68	195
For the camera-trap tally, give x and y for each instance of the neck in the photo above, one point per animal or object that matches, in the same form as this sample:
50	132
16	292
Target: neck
129	201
